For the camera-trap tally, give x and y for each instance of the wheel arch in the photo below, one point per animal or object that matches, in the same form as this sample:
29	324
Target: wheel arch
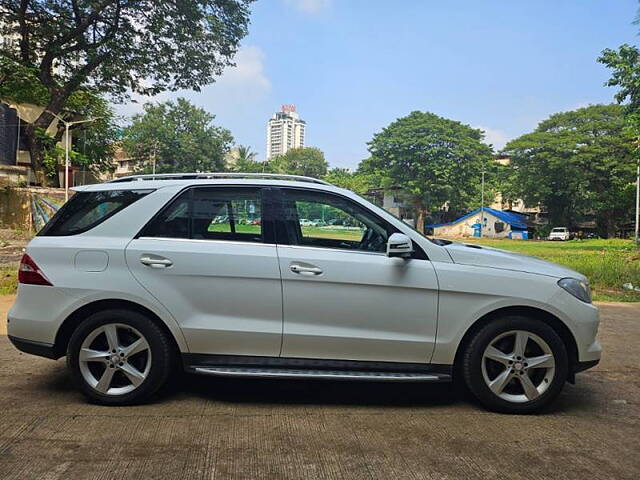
553	321
72	321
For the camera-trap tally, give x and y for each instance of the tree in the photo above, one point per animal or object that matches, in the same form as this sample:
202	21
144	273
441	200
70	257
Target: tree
577	163
358	182
308	161
179	136
434	160
245	161
92	142
114	47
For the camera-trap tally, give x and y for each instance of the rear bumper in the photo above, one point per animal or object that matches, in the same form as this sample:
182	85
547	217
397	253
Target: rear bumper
34	348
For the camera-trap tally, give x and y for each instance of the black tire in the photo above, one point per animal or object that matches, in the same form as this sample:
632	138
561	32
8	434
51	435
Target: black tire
162	356
473	371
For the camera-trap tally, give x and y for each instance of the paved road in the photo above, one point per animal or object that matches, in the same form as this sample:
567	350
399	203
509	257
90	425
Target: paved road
219	429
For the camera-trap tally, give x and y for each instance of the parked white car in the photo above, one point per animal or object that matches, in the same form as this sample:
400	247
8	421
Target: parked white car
137	276
560	233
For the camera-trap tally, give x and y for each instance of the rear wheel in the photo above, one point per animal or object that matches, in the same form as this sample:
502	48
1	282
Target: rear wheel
515	365
119	357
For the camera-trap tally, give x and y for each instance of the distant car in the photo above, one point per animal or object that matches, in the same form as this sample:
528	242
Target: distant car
560	233
307	223
257	221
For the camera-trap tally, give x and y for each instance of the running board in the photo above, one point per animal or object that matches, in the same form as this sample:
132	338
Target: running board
321	374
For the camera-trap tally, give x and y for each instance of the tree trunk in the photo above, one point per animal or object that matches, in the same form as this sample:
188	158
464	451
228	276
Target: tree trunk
421	212
36	153
606	224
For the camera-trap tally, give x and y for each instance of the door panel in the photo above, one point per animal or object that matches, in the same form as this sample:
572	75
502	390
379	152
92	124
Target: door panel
357	305
207	258
225	296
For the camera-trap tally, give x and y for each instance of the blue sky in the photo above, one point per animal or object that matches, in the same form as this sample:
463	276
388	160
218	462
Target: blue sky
353	66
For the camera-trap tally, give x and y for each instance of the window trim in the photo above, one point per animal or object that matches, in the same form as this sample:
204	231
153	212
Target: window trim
268	235
283	232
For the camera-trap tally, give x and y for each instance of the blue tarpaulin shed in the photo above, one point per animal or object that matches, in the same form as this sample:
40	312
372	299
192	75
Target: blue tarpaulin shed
496	223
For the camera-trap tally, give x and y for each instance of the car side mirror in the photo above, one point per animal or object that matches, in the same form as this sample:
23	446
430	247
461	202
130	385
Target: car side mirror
399	245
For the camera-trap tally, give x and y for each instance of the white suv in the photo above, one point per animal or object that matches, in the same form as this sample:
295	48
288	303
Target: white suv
560	233
215	273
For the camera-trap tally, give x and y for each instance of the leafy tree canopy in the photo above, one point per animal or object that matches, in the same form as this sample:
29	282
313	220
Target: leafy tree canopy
244	160
434	159
179	136
114	47
577	163
358	182
307	161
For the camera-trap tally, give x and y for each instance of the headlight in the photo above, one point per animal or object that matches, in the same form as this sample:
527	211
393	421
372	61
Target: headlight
577	288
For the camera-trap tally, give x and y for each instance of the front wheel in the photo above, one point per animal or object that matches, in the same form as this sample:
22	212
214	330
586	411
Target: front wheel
515	365
119	357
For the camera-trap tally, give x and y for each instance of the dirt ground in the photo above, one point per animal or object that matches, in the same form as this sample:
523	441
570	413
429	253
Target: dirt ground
222	429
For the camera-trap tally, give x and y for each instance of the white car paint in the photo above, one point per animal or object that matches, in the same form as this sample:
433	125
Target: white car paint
242	298
560	233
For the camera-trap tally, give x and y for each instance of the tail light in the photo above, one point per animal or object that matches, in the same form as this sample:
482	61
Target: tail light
30	274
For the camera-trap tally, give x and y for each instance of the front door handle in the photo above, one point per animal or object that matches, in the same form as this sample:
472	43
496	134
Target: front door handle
155	262
305	270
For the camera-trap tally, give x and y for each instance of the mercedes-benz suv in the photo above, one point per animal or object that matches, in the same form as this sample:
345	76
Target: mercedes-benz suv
220	274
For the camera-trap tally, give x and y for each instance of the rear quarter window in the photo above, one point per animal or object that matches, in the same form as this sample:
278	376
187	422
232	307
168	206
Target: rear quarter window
86	210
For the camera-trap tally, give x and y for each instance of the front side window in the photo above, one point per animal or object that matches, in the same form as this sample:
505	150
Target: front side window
86	210
318	219
211	214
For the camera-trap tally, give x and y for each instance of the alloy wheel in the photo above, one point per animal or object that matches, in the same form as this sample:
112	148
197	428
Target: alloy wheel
115	359
518	366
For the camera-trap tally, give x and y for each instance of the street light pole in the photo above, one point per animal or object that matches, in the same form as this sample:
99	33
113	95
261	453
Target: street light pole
482	207
66	161
67	147
637	200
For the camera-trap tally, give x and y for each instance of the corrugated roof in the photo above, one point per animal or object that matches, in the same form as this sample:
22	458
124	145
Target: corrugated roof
516	220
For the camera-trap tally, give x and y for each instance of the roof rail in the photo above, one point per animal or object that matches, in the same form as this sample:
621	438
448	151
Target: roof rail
196	176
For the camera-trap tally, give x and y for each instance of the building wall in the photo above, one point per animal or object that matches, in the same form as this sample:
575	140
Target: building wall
464	227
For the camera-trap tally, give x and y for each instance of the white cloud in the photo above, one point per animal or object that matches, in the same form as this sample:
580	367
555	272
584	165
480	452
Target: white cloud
495	137
236	87
309	6
249	70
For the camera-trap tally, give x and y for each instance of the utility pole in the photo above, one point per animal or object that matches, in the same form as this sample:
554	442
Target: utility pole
67	147
482	207
637	201
153	158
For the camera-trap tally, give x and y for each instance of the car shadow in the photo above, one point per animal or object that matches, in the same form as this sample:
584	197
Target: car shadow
584	397
316	392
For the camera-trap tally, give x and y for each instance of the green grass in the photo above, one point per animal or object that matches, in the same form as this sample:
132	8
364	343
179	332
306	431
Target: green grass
607	263
240	228
8	280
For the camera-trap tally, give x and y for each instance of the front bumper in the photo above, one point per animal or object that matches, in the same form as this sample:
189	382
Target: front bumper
582	366
34	348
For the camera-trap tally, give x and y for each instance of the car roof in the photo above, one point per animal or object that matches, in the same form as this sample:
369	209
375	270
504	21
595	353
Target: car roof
180	182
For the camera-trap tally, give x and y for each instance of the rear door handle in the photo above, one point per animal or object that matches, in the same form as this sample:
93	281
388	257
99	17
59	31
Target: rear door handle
156	262
305	270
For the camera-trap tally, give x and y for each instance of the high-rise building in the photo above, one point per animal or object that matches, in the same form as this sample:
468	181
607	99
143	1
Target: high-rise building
285	131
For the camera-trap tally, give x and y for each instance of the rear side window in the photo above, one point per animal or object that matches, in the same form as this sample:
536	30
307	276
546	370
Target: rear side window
85	210
217	213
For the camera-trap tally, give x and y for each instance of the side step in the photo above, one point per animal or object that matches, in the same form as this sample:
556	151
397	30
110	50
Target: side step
321	374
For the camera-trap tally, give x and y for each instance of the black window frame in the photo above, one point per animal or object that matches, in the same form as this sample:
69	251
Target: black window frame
266	205
285	236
